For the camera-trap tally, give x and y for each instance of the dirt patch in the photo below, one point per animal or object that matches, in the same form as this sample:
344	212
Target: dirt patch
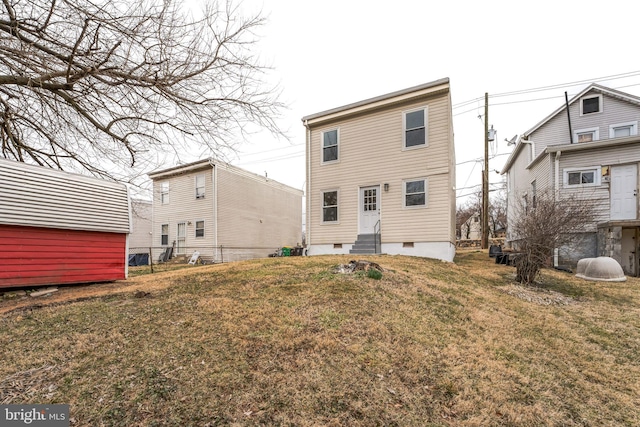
537	295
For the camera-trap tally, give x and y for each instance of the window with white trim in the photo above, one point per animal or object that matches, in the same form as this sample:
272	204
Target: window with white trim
415	193
200	186
330	206
164	193
577	177
586	135
590	104
164	234
620	130
330	144
415	128
199	229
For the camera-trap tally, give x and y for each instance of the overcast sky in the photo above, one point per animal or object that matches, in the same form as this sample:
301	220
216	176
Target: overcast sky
330	53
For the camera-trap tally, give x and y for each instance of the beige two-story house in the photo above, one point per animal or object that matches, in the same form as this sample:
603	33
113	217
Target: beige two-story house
381	175
223	212
592	153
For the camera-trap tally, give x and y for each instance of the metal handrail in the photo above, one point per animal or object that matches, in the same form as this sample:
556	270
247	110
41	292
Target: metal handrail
375	236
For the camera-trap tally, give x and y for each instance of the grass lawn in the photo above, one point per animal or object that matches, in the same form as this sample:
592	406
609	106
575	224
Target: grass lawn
286	341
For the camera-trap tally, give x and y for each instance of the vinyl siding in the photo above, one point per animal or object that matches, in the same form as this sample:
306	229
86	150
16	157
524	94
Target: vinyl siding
371	153
142	227
556	130
40	197
184	207
254	212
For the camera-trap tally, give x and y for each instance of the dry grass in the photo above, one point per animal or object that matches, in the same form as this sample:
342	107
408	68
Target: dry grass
284	341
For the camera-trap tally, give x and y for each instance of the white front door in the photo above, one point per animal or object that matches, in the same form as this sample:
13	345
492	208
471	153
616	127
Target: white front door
369	209
624	190
182	233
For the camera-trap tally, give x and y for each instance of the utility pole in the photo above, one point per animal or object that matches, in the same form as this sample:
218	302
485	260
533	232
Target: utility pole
485	177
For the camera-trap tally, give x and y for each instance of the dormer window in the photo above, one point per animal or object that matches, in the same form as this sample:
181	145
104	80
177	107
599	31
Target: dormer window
591	104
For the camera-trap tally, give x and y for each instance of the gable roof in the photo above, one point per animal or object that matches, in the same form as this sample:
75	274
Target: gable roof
213	163
431	88
593	87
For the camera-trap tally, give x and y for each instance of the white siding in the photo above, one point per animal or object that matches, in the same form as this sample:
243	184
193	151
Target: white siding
556	130
184	207
257	213
41	197
141	230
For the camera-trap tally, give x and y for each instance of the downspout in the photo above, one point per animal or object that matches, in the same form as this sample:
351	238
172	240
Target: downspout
214	178
556	194
307	229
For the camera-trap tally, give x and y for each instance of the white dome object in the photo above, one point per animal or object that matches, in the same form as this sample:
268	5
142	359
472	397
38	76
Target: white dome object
601	269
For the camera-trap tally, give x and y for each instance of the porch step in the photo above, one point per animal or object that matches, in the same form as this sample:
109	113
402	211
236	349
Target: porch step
366	244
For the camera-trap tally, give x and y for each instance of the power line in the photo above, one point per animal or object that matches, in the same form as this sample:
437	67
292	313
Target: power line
549	87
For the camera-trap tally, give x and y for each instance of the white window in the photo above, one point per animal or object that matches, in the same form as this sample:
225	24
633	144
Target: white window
199	229
164	234
330	206
330	144
415	128
586	135
621	130
590	104
200	186
415	193
576	177
164	193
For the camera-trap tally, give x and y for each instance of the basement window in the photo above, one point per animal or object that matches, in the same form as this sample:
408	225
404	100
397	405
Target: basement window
407	244
337	246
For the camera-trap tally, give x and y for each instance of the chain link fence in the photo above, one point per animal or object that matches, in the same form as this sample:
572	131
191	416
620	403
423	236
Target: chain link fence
166	258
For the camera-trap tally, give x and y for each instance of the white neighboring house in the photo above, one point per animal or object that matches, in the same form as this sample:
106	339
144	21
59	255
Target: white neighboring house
472	228
140	239
224	212
381	175
597	159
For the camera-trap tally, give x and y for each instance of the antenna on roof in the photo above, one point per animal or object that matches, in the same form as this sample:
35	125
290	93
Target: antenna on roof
511	141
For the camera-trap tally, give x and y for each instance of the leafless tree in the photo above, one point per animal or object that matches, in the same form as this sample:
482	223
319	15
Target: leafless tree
106	84
545	223
497	212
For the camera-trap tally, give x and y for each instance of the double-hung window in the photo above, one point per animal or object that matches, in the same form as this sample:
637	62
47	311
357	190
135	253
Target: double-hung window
164	193
164	234
415	128
330	144
199	229
200	186
415	193
330	206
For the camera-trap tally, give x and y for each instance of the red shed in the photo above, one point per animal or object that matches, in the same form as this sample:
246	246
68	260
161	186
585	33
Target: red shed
60	228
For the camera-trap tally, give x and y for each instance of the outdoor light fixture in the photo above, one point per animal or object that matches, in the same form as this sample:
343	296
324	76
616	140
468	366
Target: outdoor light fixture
386	187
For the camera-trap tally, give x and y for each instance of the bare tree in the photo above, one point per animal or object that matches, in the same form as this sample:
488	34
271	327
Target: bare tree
498	212
546	222
106	84
463	213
